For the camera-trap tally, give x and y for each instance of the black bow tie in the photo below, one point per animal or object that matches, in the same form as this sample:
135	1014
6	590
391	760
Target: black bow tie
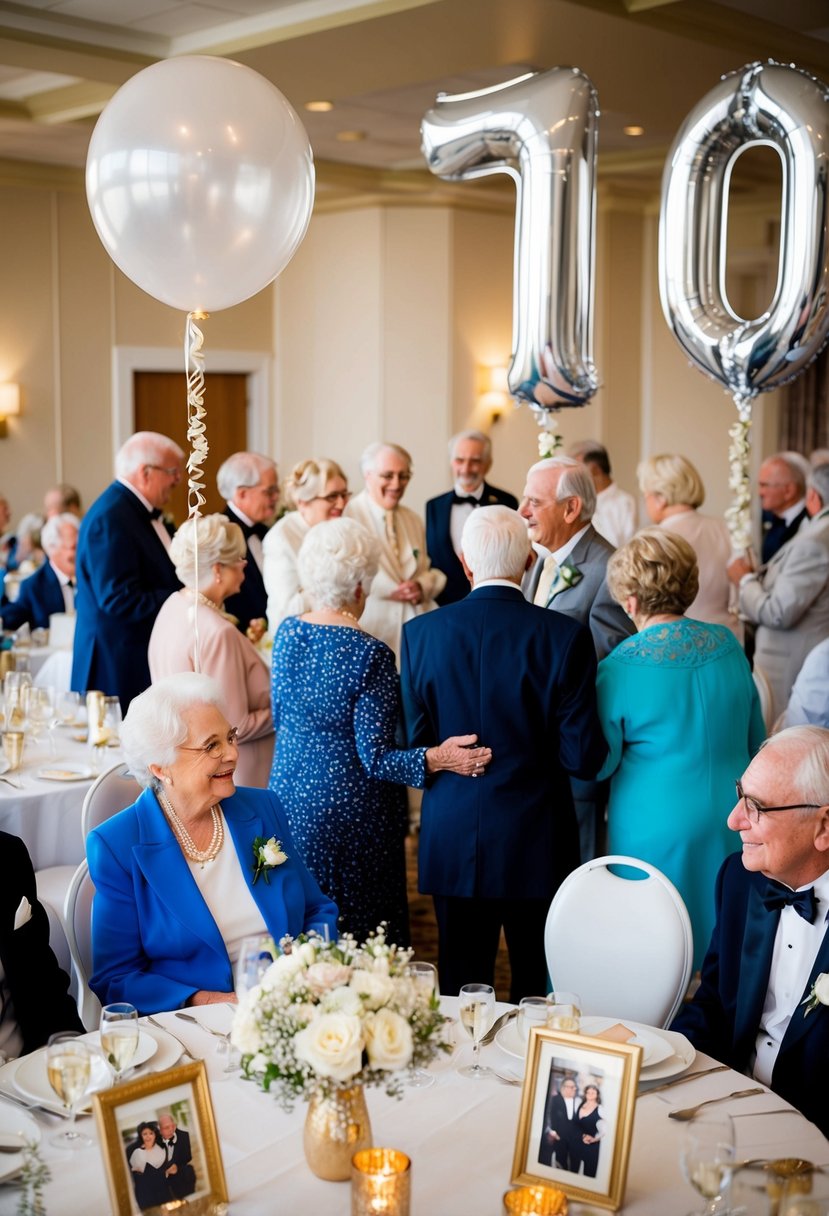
465	500
803	902
155	513
260	530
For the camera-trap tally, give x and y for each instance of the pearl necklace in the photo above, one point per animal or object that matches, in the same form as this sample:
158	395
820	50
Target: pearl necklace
220	608
186	840
350	615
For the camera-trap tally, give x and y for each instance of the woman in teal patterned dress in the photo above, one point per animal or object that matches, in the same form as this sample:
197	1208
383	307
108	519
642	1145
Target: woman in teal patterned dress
682	719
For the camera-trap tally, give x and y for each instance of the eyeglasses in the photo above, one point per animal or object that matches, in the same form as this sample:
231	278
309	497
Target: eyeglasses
402	477
754	810
175	471
215	749
333	499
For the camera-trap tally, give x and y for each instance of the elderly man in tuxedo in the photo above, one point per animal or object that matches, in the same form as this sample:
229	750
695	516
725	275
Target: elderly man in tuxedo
249	484
561	1137
570	577
124	572
406	584
493	851
52	586
470	455
181	1177
781	484
755	1008
788	598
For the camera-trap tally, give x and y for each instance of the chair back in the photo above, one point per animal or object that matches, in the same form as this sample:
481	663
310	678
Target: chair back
623	944
764	692
77	917
110	793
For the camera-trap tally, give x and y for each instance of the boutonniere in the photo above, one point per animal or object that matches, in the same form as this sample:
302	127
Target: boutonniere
267	855
819	994
416	553
569	575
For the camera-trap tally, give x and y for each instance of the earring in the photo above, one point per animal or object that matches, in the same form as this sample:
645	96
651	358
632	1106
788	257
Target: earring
168	780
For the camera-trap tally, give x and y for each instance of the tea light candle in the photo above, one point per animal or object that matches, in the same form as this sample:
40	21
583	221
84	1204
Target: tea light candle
381	1181
535	1201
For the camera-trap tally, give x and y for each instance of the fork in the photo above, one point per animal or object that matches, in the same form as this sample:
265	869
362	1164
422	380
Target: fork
181	1044
684	1116
188	1017
14	784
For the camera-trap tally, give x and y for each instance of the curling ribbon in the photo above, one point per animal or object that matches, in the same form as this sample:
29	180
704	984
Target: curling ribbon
197	438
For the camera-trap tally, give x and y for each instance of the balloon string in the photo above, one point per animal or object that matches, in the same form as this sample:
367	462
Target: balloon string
197	438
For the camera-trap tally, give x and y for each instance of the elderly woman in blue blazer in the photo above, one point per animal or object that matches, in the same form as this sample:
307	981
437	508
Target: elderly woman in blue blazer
178	884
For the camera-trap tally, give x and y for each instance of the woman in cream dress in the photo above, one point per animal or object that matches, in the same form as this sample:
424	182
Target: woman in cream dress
224	652
318	490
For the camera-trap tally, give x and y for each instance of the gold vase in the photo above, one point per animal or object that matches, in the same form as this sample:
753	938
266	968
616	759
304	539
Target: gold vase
335	1129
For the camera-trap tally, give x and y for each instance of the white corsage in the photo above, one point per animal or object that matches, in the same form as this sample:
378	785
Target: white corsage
819	994
267	855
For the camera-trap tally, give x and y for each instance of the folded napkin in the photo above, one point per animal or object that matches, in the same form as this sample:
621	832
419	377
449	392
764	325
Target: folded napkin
23	914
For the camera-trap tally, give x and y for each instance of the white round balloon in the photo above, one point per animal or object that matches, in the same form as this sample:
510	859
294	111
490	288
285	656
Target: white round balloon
200	181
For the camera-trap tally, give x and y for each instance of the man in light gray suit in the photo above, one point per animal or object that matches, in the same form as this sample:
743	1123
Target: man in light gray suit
569	577
788	598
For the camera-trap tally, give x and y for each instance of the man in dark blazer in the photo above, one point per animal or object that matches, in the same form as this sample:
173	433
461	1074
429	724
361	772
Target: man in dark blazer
493	850
754	1008
52	586
470	454
34	998
249	484
181	1177
560	1137
781	485
124	571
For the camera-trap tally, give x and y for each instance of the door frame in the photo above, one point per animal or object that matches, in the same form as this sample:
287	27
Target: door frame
256	365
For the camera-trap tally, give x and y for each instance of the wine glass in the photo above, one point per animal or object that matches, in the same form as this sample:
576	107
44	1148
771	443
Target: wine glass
255	956
68	1068
425	978
707	1156
119	1035
68	707
38	707
112	721
476	1004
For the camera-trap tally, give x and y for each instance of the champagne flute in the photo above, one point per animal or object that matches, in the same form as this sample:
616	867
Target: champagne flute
425	978
706	1157
68	1068
119	1035
476	1004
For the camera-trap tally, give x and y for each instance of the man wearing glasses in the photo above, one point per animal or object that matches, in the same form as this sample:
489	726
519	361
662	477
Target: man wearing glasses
123	570
249	485
756	1008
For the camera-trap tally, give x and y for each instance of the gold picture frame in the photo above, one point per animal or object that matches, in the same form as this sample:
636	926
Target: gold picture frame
137	1182
549	1150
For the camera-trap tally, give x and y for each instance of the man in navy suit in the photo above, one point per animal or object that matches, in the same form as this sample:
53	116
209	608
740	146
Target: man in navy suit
181	1177
470	454
124	570
52	586
493	851
249	484
771	941
781	483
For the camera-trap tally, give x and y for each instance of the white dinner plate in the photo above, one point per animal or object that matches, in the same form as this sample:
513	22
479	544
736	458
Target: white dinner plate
31	1080
666	1053
65	772
15	1124
147	1046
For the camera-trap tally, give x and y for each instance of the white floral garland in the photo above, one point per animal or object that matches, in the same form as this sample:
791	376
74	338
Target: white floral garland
549	440
738	515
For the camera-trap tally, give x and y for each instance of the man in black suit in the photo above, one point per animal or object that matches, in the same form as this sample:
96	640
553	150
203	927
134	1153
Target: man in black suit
560	1137
470	454
52	586
181	1177
249	484
756	1007
782	486
34	998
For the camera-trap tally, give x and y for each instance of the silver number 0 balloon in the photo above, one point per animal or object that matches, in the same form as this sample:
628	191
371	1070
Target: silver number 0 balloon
541	130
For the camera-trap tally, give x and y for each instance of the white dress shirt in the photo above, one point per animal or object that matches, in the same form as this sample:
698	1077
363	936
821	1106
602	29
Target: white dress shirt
253	542
163	534
615	515
68	592
460	513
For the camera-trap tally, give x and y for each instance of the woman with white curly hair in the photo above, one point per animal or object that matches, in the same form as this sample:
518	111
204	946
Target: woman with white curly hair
336	706
224	652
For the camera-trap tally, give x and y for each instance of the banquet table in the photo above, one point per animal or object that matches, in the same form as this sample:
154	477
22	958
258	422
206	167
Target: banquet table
459	1133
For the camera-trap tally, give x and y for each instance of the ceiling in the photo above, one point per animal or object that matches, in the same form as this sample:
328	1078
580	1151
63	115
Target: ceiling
382	62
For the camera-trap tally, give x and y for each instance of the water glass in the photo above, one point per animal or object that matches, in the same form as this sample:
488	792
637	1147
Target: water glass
476	1005
806	1194
532	1011
564	1011
707	1157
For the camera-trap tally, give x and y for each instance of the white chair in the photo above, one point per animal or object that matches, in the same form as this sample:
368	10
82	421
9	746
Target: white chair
77	918
624	945
112	792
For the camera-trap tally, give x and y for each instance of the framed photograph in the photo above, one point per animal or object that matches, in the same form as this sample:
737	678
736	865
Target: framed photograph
158	1138
576	1120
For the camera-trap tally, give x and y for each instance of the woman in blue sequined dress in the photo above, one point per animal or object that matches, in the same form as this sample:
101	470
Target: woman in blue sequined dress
336	705
682	719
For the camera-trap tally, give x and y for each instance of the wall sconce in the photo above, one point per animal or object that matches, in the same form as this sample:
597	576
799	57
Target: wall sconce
9	405
493	392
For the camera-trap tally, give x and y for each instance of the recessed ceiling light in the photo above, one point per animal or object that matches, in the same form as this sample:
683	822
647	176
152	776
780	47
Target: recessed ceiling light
319	107
350	137
634	130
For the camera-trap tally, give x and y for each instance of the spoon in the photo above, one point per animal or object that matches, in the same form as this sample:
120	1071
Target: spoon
685	1116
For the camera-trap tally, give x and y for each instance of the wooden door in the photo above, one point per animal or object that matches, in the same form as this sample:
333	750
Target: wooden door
161	405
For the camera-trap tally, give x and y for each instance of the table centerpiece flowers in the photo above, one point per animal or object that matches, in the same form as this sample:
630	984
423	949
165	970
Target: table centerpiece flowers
329	1019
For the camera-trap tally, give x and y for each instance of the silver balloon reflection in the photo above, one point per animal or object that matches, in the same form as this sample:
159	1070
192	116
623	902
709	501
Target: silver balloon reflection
762	104
541	130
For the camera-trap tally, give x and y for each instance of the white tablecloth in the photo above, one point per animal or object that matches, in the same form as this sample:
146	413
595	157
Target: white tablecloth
459	1133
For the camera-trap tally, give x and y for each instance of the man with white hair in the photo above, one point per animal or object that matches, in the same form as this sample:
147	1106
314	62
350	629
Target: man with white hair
249	484
782	486
470	455
51	588
763	1004
492	852
406	584
124	570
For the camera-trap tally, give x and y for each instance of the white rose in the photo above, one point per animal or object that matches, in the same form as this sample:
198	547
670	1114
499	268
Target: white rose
271	853
374	987
342	1000
306	953
822	988
324	976
245	1033
388	1040
332	1045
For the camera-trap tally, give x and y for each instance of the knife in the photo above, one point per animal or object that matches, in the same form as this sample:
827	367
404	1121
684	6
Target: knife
688	1076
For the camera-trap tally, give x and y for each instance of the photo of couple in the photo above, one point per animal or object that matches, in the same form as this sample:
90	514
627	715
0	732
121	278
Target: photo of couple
160	1159
574	1123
